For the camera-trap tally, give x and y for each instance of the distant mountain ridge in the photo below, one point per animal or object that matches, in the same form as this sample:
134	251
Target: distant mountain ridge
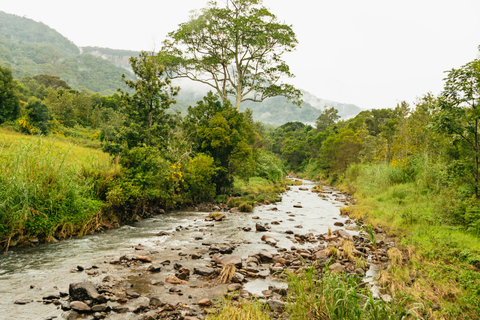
30	48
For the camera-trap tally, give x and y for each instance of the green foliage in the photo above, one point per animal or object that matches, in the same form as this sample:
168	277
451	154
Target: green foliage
146	185
328	295
328	117
458	116
199	178
9	101
220	131
245	207
236	49
38	115
147	123
269	167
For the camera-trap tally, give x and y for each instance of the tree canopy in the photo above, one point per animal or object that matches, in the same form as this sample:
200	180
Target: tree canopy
236	49
9	101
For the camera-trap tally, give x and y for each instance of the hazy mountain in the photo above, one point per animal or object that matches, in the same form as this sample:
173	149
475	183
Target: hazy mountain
345	110
30	48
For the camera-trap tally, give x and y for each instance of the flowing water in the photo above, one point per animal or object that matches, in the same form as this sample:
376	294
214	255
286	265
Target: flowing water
35	272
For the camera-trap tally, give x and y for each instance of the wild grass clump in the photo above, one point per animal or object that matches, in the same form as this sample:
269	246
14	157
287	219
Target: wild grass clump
43	191
245	207
243	310
234	202
314	295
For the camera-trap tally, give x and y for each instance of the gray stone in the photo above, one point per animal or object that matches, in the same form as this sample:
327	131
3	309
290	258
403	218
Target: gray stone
276	305
70	315
79	306
99	308
337	267
23	301
230	259
157	302
204	271
84	290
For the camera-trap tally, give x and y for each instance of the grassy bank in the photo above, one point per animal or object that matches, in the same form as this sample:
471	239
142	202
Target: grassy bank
439	267
44	189
255	191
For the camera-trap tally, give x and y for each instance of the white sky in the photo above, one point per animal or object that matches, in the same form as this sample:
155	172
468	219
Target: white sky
372	53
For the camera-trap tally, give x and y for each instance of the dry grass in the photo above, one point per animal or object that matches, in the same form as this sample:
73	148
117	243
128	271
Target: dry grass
348	248
227	273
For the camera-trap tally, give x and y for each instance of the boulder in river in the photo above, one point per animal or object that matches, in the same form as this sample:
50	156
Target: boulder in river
84	290
260	227
230	259
203	271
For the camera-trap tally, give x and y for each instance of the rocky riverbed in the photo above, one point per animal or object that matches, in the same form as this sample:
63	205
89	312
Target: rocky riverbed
173	266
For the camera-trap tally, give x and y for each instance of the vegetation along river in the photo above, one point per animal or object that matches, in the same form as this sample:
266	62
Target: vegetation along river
175	242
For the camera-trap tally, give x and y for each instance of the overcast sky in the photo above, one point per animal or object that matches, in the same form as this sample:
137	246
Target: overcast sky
372	53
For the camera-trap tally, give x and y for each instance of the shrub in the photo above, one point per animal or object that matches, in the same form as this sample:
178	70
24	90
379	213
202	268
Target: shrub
245	207
199	175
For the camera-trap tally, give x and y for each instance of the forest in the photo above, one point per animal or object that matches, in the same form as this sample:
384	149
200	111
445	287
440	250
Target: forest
74	162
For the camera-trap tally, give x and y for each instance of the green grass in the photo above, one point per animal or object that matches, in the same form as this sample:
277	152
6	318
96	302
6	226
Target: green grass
256	189
439	254
314	294
44	188
245	310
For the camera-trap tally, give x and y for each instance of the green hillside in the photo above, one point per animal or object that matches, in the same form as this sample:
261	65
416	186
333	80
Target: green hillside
29	48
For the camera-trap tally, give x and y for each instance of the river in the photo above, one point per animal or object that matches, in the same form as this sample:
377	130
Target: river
38	271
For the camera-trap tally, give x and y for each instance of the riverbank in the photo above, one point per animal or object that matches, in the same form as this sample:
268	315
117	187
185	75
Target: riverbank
146	257
51	189
437	269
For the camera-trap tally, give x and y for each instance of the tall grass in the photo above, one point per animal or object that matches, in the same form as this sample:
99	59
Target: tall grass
435	233
43	192
325	295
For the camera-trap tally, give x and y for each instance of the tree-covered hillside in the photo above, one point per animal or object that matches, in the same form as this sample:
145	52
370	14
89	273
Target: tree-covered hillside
29	48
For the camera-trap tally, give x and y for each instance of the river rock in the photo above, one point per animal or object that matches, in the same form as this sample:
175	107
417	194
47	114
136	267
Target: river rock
99	308
276	305
260	227
143	258
265	257
157	302
337	267
204	303
343	234
195	256
183	273
238	278
132	294
234	287
23	301
70	315
321	253
84	290
230	259
174	280
203	271
297	206
255	217
154	268
264	273
79	306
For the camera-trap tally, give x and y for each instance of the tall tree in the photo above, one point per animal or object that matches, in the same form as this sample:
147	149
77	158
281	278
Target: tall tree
328	117
236	49
9	101
458	114
147	122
